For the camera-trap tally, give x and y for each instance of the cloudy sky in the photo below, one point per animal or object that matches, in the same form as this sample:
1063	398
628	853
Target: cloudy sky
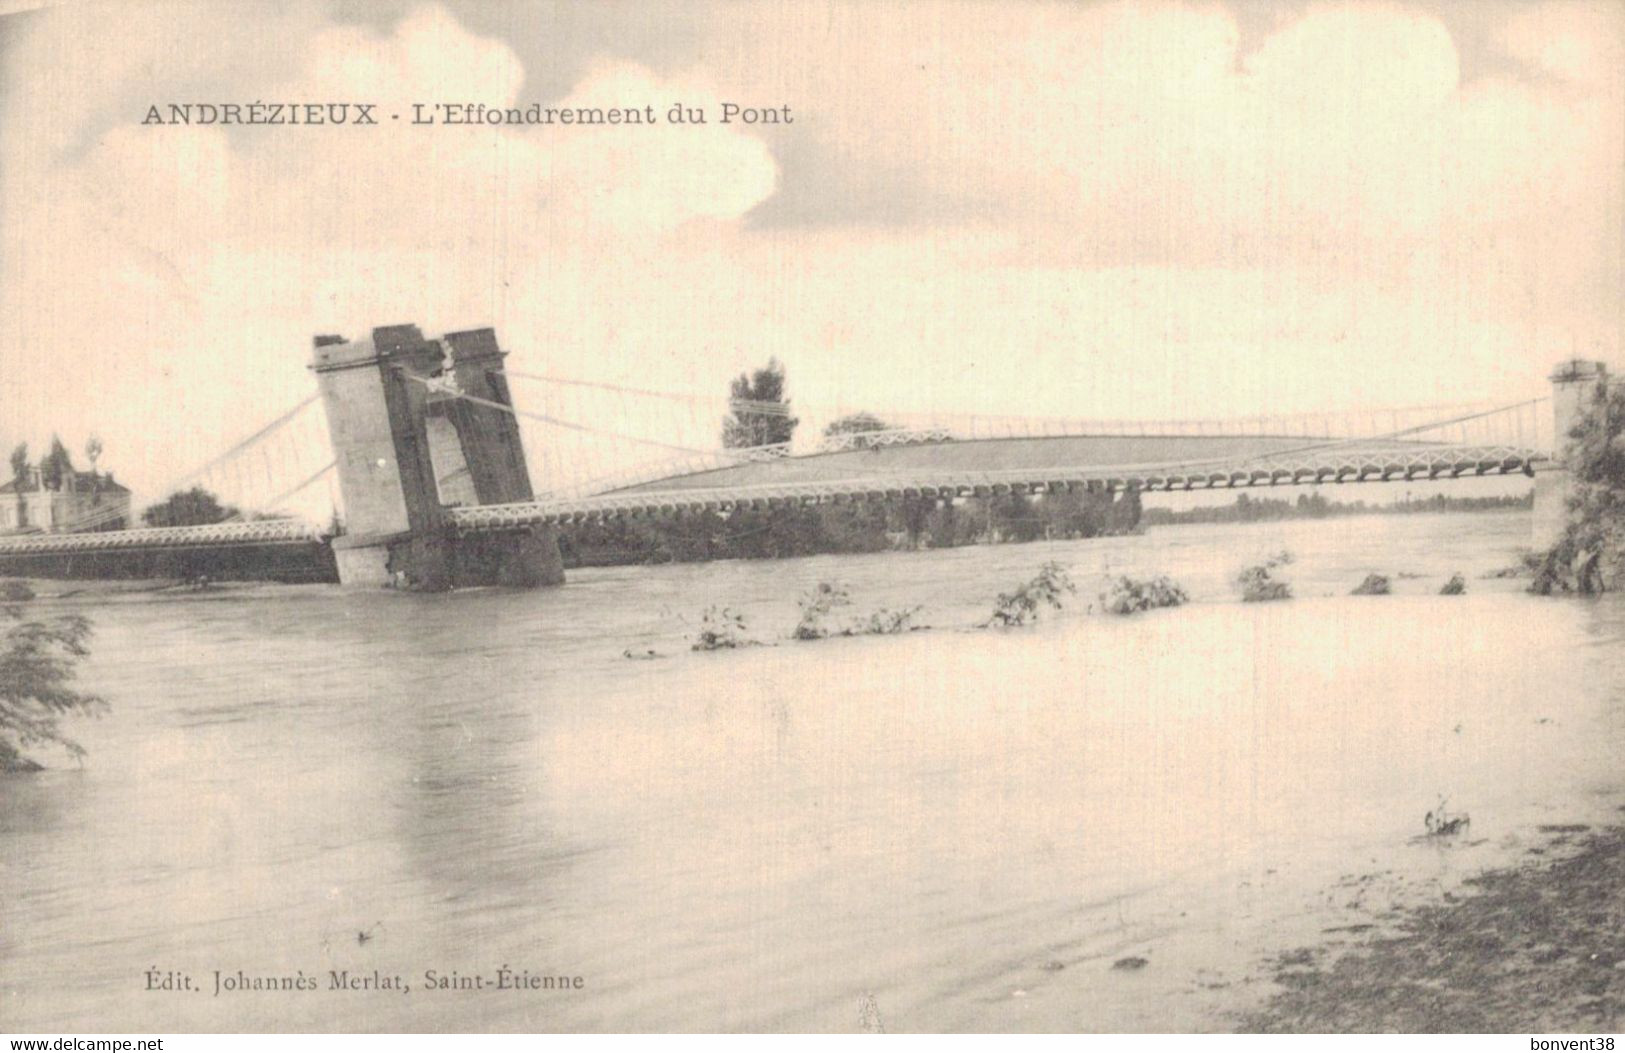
1083	209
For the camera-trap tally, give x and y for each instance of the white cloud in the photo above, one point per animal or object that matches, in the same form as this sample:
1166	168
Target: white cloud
1576	40
1129	214
183	270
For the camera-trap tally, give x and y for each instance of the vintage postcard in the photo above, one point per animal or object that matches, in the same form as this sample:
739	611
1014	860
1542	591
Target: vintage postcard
888	516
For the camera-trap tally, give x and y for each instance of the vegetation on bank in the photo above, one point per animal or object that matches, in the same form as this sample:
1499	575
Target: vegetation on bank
1590	556
1535	948
12	591
1527	565
1249	509
846	528
39	660
762	415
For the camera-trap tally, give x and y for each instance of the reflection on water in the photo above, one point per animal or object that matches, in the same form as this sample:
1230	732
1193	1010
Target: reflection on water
967	827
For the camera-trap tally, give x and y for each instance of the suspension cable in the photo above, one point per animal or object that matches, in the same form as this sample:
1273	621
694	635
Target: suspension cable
242	444
546	419
753	453
284	495
759	407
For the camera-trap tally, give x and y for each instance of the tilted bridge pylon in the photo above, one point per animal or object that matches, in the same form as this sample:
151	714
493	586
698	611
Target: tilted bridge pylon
404	415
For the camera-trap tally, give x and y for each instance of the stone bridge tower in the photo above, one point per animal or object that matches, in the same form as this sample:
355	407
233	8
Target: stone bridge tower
405	451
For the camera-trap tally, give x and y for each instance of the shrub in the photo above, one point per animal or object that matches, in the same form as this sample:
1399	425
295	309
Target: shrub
1528	565
1441	823
819	603
1259	584
38	662
816	606
1590	556
1028	601
722	628
886	622
1131	596
13	591
1455	586
1373	585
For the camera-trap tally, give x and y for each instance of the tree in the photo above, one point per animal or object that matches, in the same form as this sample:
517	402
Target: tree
1014	517
1125	512
194	507
1315	506
914	517
1590	556
761	413
856	424
38	662
19	476
56	467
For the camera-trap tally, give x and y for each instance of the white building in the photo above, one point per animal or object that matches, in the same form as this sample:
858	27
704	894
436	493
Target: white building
80	501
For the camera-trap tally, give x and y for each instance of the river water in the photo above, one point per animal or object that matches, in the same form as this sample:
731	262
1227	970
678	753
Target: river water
948	829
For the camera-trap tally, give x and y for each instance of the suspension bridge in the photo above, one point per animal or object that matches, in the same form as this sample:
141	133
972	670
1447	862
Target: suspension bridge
415	445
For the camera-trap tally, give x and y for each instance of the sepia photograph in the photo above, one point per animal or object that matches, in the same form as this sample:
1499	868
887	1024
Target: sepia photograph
802	517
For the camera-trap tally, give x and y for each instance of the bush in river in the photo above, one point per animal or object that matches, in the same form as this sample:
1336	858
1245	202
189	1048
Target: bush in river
1133	595
1028	601
38	663
1373	585
816	606
886	622
722	628
1259	584
1442	823
1455	586
820	602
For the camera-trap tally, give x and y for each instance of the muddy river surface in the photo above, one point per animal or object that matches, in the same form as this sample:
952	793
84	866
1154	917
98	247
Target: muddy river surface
949	829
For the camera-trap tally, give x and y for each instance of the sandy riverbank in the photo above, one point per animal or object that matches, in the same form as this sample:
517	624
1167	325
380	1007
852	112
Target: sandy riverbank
1537	947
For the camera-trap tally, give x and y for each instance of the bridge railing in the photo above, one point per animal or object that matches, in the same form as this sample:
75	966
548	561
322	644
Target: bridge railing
1336	464
252	532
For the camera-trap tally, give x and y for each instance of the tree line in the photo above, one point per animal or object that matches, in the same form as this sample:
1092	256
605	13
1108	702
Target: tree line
1249	509
761	415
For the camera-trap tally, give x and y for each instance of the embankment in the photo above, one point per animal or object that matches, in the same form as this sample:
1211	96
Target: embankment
1534	948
